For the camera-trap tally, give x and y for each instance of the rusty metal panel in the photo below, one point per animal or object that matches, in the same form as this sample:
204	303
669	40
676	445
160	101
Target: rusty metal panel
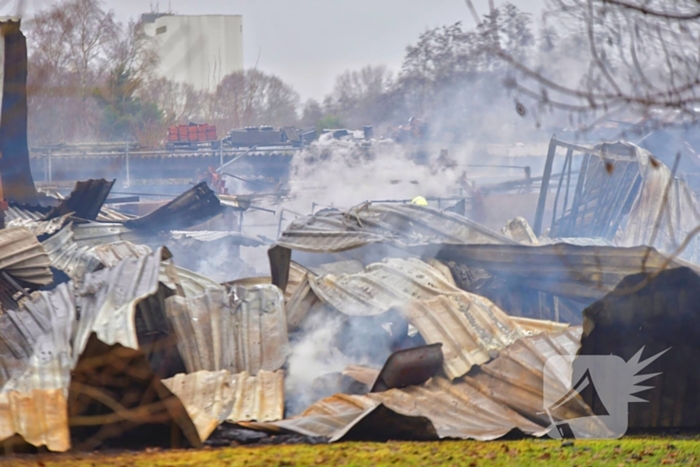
212	397
242	330
40	417
23	257
503	395
516	378
35	376
381	286
535	326
470	327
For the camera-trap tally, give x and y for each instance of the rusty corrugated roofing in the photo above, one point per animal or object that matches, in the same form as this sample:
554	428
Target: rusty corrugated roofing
36	373
503	395
244	330
40	417
469	326
393	226
212	397
23	257
381	286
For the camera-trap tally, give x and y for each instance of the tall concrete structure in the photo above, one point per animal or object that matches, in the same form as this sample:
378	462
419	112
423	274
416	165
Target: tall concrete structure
197	50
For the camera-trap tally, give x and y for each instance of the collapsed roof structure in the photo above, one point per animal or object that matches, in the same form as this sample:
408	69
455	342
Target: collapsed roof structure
436	326
377	322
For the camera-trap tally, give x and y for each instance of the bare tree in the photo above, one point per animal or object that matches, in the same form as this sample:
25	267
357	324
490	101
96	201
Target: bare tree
639	56
250	98
360	95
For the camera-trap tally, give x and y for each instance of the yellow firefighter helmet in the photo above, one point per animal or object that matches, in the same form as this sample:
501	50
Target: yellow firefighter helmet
419	201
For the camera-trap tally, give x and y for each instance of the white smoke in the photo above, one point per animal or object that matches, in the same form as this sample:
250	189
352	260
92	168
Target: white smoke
346	172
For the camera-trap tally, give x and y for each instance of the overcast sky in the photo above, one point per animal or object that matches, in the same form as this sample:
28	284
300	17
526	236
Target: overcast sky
309	42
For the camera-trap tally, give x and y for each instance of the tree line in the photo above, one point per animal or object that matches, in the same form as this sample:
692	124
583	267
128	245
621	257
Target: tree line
92	78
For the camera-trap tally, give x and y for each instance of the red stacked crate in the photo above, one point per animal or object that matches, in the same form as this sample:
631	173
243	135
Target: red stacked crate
192	132
182	132
202	132
211	133
173	134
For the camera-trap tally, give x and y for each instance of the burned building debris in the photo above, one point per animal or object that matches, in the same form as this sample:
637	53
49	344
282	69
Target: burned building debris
127	325
383	321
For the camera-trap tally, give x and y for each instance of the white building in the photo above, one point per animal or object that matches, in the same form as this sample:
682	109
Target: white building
197	50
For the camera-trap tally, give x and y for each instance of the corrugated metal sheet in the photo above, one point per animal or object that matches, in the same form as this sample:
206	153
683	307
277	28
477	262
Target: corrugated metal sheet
110	215
212	397
381	286
85	201
111	254
23	257
504	395
245	330
40	417
193	284
36	374
49	363
94	234
193	207
400	225
67	256
674	216
107	301
392	226
39	228
516	379
16	211
235	238
469	326
579	272
535	326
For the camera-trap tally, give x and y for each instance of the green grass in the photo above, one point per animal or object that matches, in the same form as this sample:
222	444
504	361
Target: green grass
528	452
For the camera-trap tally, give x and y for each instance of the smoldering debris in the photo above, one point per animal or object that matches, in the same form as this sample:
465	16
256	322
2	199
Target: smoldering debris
381	321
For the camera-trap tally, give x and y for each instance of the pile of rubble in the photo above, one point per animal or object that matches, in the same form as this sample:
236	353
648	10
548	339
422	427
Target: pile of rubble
444	328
